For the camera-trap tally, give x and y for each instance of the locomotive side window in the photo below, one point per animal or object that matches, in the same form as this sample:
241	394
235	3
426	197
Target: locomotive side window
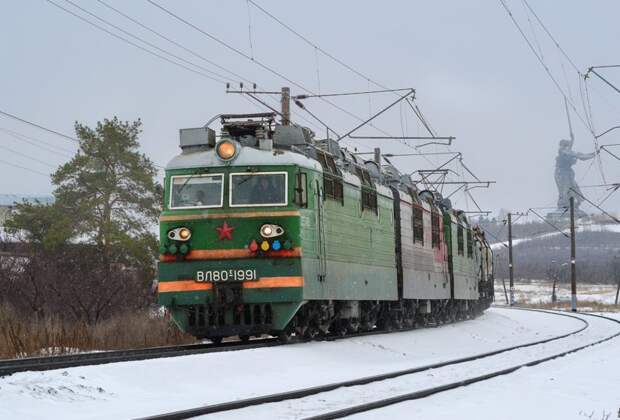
435	229
258	189
332	181
418	225
369	195
196	191
459	240
301	189
470	245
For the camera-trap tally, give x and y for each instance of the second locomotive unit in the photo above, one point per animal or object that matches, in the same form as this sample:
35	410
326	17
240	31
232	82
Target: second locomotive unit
266	230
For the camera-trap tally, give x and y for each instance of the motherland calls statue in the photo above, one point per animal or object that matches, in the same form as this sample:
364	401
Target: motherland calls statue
565	176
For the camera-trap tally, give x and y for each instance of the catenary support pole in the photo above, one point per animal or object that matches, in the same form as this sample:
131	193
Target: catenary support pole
378	156
510	266
573	268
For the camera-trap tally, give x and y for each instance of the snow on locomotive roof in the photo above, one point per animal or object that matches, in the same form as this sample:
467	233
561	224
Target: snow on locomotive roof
248	156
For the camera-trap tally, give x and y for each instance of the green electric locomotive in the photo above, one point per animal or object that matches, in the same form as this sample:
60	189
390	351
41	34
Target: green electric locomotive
266	230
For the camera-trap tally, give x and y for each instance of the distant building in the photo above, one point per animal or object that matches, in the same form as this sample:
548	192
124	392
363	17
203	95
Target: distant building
7	203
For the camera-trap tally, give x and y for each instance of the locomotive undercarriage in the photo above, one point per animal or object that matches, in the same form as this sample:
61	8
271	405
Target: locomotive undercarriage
324	318
225	314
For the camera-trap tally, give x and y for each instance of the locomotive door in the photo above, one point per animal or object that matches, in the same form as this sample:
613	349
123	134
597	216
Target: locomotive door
320	224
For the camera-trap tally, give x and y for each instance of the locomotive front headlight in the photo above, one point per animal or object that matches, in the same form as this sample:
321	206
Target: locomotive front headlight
180	234
271	231
226	149
184	234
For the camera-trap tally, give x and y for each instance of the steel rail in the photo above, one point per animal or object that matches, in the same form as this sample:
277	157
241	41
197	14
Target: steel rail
10	366
336	414
305	392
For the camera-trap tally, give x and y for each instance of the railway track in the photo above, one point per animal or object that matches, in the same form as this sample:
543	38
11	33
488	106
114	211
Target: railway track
313	391
8	367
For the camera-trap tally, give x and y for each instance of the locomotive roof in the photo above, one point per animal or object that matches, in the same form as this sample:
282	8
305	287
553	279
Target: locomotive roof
248	156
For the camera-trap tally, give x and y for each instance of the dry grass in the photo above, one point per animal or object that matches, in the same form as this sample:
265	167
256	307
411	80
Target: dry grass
584	305
20	337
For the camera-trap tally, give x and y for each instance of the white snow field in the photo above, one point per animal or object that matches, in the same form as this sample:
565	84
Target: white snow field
134	389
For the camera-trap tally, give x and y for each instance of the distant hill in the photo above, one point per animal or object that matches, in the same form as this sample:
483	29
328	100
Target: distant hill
546	255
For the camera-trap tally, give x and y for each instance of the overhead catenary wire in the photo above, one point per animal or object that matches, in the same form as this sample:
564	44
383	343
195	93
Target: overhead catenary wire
134	44
49	130
214	76
259	63
188	50
26	156
51	148
334	58
551	76
127	41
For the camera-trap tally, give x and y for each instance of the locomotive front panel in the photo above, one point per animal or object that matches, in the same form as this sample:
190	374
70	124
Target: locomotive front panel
230	255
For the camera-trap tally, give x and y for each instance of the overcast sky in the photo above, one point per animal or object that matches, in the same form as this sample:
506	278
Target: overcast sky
474	75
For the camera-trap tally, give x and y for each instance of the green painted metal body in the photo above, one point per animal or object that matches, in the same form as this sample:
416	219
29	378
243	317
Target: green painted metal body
464	267
344	253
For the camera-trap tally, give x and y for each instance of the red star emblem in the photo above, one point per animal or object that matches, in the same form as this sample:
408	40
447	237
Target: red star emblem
225	231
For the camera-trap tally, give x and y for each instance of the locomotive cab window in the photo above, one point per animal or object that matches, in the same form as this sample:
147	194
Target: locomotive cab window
258	189
332	180
470	244
418	225
460	240
196	191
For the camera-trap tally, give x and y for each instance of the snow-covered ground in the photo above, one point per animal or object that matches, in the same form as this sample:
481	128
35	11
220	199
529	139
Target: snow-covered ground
133	389
582	385
539	291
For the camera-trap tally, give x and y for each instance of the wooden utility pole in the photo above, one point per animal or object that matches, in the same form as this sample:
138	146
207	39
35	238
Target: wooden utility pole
510	266
286	106
573	268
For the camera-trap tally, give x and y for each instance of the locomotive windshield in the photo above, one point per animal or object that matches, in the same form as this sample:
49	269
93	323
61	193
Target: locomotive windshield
196	191
258	189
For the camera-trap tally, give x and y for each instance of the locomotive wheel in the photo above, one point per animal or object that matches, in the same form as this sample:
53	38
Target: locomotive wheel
311	332
244	338
285	336
353	326
216	340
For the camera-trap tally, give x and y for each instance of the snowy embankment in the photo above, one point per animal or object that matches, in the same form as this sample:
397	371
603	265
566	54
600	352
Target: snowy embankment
539	291
133	389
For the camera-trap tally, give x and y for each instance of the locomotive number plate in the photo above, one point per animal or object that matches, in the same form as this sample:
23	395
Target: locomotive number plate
215	276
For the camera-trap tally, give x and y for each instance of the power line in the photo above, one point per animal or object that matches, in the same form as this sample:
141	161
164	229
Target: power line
35	142
557	44
150	44
26	156
542	63
49	130
24	168
190	51
555	82
254	60
127	41
170	40
329	55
